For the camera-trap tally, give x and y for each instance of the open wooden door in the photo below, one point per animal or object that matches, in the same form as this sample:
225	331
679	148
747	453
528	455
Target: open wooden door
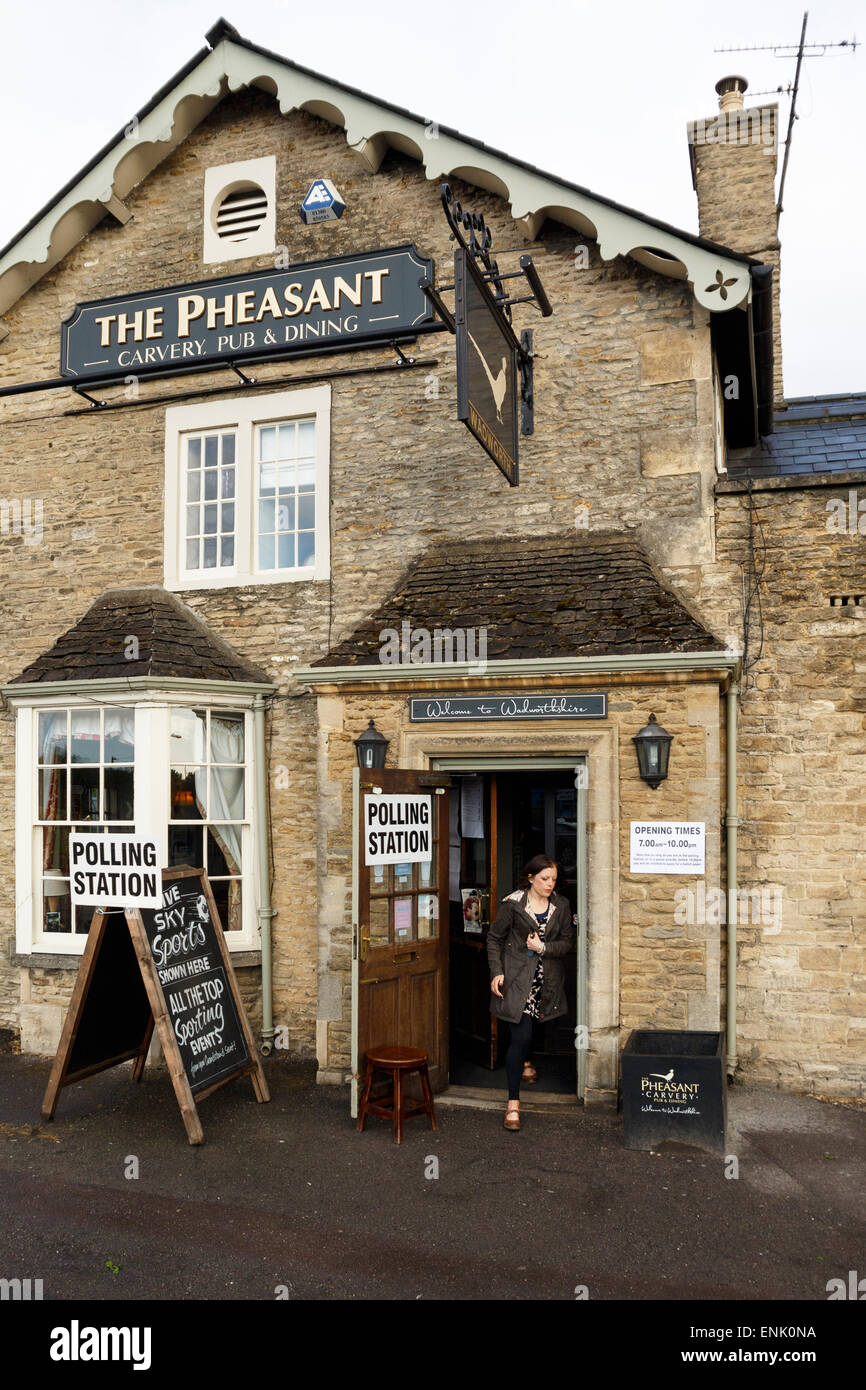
400	933
473	1032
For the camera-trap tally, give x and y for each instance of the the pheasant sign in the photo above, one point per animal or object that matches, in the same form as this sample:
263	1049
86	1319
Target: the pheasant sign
314	307
487	371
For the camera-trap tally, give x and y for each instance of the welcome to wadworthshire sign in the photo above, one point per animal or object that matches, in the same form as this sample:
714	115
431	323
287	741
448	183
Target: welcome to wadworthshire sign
319	305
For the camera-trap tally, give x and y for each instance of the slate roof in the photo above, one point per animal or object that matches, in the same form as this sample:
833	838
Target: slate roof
172	641
560	595
811	435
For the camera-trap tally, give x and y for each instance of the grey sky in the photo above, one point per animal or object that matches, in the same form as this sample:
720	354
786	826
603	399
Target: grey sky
598	94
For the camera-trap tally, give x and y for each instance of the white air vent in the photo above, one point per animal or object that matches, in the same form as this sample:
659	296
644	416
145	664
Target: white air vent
241	213
239	210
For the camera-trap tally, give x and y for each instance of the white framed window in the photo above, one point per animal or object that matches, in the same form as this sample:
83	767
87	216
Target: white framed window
246	490
85	769
177	768
207	811
240	213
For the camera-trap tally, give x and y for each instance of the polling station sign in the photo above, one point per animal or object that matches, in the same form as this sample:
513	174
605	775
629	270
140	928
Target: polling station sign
398	828
114	871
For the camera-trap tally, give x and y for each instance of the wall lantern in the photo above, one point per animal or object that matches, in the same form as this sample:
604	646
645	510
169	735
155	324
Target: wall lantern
372	747
653	745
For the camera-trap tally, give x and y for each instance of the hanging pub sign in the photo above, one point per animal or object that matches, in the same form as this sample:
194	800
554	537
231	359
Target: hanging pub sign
316	307
487	367
492	363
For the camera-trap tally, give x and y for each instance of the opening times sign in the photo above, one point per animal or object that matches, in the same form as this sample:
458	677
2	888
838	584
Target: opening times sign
668	847
318	305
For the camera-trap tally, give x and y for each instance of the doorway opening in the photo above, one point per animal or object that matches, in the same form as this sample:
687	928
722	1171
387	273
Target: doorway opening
500	818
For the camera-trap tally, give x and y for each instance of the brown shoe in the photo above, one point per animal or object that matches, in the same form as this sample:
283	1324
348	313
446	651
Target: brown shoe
512	1118
529	1072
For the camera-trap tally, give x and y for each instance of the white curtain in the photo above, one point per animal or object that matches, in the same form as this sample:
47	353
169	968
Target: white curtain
187	732
226	786
84	727
52	738
52	733
227	801
120	726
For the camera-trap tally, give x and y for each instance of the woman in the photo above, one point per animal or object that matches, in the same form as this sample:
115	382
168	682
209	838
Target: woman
532	932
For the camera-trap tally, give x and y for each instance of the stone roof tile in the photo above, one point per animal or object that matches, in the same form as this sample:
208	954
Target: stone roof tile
557	595
172	641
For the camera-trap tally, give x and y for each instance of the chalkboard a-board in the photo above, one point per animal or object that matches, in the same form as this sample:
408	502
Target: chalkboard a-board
167	967
196	980
109	1019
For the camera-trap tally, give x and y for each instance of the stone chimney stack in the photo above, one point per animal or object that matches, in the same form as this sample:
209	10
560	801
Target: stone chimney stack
734	157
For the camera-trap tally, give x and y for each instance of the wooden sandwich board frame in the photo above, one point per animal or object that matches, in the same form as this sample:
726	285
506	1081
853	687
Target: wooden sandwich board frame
105	939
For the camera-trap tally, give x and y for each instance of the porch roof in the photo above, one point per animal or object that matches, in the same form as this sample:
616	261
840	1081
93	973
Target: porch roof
169	641
567	594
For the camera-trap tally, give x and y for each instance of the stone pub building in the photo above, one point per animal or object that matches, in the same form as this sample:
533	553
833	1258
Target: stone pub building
242	524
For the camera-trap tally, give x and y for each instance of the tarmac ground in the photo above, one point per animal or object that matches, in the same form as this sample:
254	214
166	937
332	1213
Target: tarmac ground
287	1201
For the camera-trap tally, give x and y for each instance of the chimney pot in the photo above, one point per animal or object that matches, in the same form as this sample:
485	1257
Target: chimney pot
731	90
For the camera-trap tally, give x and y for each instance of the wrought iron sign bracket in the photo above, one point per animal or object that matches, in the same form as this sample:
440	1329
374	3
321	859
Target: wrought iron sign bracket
538	295
434	297
527	384
297	379
94	403
402	359
247	380
478	245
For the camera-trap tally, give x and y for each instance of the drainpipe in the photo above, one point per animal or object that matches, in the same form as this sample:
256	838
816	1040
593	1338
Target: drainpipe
732	821
264	875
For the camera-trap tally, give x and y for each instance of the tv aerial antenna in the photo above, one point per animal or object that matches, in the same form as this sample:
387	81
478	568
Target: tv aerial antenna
788	50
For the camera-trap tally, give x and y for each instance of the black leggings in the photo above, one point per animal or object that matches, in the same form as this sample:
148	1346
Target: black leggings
518	1048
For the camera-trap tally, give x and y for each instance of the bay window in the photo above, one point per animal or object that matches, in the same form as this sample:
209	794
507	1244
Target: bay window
179	770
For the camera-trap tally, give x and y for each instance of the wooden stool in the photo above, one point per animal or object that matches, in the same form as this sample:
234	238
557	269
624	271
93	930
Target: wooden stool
400	1062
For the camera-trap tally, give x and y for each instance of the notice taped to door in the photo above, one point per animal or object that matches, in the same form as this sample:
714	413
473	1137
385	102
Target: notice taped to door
398	828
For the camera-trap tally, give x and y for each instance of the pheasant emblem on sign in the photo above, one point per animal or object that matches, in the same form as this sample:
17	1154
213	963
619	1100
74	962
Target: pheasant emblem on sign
498	383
